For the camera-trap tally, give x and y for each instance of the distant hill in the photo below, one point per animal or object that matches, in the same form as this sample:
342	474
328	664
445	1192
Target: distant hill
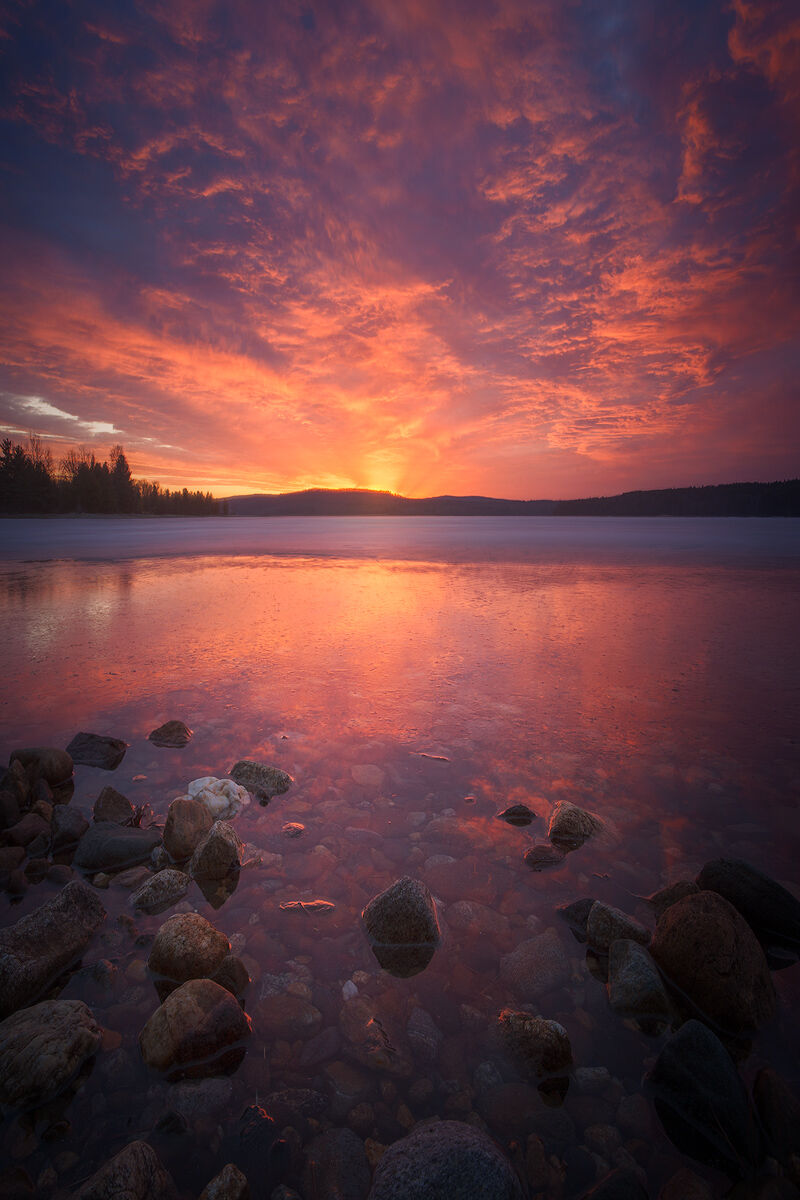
779	499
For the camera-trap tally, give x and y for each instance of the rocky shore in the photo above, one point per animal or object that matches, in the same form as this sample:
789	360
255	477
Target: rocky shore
303	1054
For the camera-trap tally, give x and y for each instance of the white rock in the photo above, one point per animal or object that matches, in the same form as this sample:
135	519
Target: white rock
349	990
221	797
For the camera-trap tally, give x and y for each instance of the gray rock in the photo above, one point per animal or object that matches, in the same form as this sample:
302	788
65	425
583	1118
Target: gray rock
445	1159
542	855
702	1103
538	1047
230	1184
607	925
219	854
263	781
402	927
476	919
160	891
97	750
201	1097
111	805
634	983
571	826
35	951
42	1049
517	814
45	762
187	946
536	966
107	846
172	735
424	1035
67	826
199	1030
337	1166
135	1173
770	910
577	916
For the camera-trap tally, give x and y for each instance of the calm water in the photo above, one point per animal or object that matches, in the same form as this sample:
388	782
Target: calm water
405	671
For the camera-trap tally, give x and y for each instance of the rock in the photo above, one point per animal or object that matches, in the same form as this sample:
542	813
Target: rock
10	811
770	910
11	857
193	1098
634	983
222	797
577	916
219	854
172	735
287	1016
187	946
684	1184
536	966
27	830
111	805
35	951
709	953
230	1184
444	1159
541	855
571	826
539	1047
662	900
517	814
622	1184
606	925
67	826
261	1153
199	1030
292	829
95	750
701	1100
188	822
321	1048
135	1173
765	1188
476	919
45	762
107	846
263	781
160	891
779	1110
336	1166
232	974
402	927
42	1049
424	1035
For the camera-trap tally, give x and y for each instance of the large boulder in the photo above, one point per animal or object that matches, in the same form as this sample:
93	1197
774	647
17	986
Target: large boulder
402	927
337	1166
537	966
702	1102
35	951
97	750
188	822
262	780
171	735
538	1047
445	1159
708	952
45	762
135	1173
41	1050
107	846
571	826
187	946
219	854
770	910
199	1030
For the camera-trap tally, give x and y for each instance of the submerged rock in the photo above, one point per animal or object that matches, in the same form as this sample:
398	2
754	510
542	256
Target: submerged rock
67	826
709	953
571	826
445	1159
540	1048
42	1049
607	924
187	946
160	891
45	762
95	750
111	805
263	781
770	910
517	814
337	1166
542	855
222	797
107	846
199	1030
35	951
702	1102
536	966
621	1184
577	916
135	1173
186	825
172	735
779	1110
402	927
663	899
230	1184
635	988
219	854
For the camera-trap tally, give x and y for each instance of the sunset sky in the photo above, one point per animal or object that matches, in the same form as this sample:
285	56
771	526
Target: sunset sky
523	248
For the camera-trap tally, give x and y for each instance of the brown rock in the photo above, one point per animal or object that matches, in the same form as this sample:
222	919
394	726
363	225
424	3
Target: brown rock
199	1030
542	855
536	966
26	830
708	952
187	946
188	822
41	1050
684	1184
219	853
111	805
662	900
540	1047
230	1184
607	925
135	1173
232	974
171	735
403	914
571	826
45	762
287	1016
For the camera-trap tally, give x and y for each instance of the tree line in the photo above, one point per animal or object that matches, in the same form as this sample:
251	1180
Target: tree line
32	482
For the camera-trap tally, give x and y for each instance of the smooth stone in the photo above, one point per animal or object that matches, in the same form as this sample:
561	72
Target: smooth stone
337	1166
538	1046
172	735
201	1097
160	891
199	1030
10	811
67	826
292	829
707	951
232	974
702	1102
288	1016
477	919
107	846
136	1173
685	1184
621	1184
187	946
770	910
606	925
445	1159
35	951
577	916
45	762
779	1110
571	826
27	830
187	823
96	750
635	988
111	805
222	797
424	1035
663	899
517	814
542	855
402	927
219	854
230	1184
322	1047
42	1049
537	966
263	781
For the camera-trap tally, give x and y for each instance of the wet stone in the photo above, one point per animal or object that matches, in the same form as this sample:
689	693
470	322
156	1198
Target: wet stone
67	826
336	1165
218	855
634	983
661	900
537	1046
536	966
41	1050
158	892
171	735
770	910
26	830
445	1159
262	780
517	814
111	805
45	762
621	1184
96	750
107	846
577	916
607	924
542	855
232	974
292	829
199	1030
187	946
571	826
188	822
136	1173
230	1184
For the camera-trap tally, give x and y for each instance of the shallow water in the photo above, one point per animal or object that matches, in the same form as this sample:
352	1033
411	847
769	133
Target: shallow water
403	670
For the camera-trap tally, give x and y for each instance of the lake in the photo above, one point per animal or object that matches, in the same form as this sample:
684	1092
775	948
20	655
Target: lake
414	677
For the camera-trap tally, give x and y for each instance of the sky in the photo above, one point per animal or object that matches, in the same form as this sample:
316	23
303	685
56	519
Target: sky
522	248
